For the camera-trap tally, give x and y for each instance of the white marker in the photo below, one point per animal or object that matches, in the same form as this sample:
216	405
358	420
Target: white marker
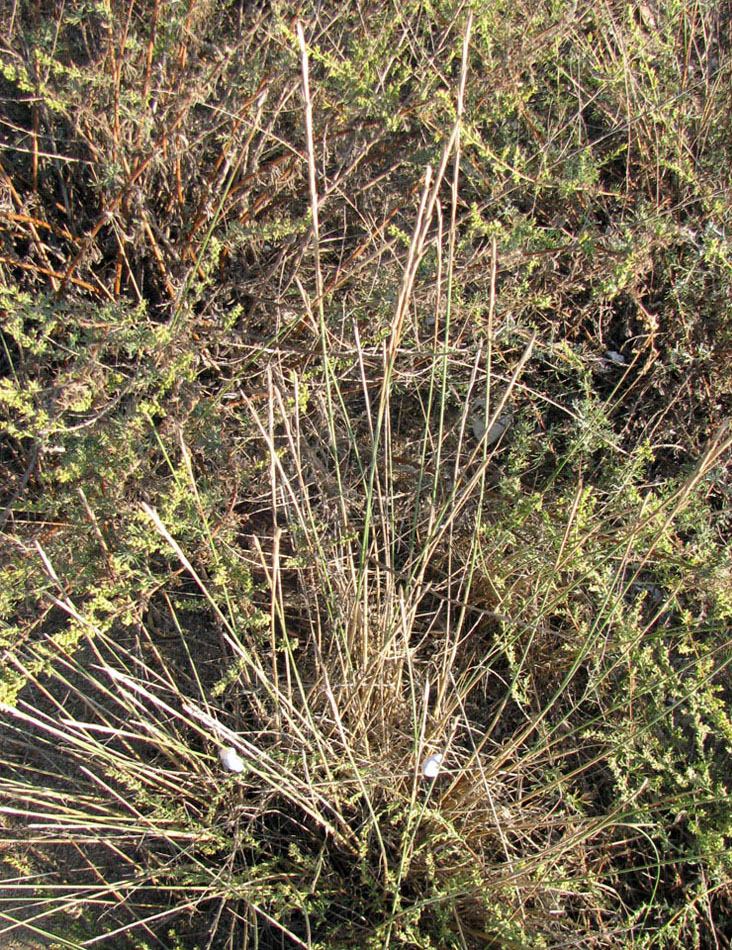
230	759
431	765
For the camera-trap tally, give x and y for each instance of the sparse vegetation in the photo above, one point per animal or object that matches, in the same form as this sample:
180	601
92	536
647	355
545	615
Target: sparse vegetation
266	273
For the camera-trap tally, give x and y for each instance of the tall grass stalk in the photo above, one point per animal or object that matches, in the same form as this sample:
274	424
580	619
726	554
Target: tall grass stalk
272	287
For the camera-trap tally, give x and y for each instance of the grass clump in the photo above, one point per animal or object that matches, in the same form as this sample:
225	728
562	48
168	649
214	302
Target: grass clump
365	397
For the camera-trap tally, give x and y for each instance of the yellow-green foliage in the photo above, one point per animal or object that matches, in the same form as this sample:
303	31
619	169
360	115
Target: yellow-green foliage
244	503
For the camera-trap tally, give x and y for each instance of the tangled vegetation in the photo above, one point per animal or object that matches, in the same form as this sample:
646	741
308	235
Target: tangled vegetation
365	396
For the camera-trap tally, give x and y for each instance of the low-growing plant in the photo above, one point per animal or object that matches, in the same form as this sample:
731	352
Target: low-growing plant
365	399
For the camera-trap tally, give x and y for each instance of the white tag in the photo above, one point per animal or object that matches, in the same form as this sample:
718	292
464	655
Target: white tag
431	765
230	759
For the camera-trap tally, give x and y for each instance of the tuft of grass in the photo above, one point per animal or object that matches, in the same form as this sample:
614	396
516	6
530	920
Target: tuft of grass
267	279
